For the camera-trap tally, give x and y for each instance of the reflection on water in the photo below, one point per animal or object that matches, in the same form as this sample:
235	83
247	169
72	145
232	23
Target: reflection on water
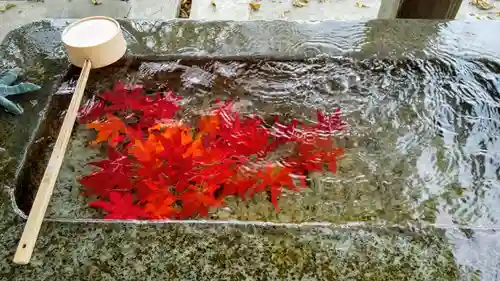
421	143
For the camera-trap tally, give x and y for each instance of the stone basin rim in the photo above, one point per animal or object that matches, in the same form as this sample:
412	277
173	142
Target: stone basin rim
420	226
381	224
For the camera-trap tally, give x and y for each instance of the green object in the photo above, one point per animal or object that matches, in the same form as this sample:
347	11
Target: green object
7	89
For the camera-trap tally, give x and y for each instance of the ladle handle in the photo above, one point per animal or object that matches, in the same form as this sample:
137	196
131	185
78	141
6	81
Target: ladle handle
42	199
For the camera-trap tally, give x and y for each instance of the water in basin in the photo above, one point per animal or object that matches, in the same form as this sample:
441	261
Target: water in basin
421	142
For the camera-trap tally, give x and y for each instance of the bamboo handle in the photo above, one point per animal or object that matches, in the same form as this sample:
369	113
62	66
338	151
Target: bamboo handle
35	219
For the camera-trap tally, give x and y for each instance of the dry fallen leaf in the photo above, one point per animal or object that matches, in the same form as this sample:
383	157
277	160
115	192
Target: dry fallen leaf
360	4
482	4
284	13
255	6
300	3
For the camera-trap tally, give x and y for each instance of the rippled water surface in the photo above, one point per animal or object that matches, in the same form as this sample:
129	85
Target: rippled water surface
422	142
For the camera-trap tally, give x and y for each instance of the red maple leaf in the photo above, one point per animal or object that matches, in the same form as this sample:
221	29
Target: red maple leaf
247	137
133	99
91	111
313	154
285	132
120	206
160	107
198	200
328	124
274	178
114	172
122	98
239	185
215	173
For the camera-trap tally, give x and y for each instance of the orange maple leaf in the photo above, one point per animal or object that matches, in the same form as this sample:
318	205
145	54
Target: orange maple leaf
161	207
195	149
172	130
108	130
145	151
186	136
209	123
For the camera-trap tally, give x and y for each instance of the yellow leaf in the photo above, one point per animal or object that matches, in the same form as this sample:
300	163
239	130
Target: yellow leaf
254	6
360	4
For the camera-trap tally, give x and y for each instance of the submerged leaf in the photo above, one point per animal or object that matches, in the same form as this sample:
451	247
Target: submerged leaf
114	173
274	178
120	206
108	130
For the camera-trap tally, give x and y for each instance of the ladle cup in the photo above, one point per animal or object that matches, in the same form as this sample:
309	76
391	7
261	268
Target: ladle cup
91	42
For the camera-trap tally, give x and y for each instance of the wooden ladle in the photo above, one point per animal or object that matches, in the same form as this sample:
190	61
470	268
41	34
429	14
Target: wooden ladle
91	42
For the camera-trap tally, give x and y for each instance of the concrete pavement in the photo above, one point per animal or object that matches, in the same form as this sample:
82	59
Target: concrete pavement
29	11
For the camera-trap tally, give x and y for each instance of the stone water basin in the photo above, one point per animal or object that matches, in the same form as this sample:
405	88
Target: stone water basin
408	143
420	99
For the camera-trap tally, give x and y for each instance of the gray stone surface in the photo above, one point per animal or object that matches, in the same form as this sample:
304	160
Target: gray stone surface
93	251
84	8
220	10
154	9
23	13
316	10
26	12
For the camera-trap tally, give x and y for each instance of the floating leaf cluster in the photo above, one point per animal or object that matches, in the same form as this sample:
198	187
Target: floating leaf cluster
159	167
